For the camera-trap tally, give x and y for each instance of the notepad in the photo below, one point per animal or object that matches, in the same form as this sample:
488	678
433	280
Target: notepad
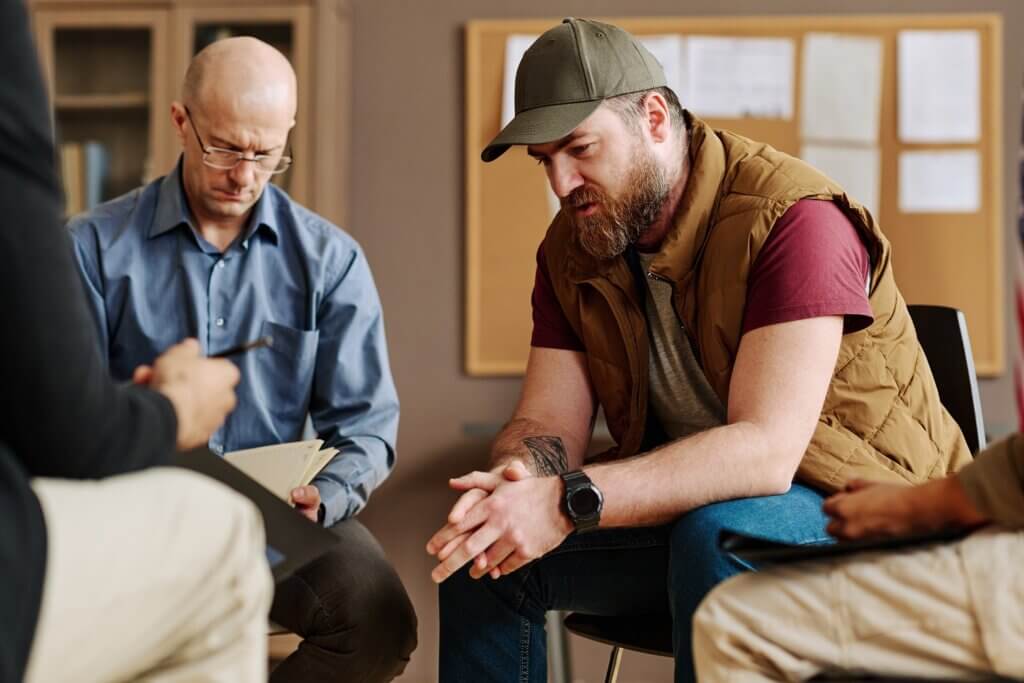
282	467
292	540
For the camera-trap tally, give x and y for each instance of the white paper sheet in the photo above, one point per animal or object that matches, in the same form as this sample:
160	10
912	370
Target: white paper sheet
740	77
515	46
940	182
855	168
842	88
670	53
282	467
939	97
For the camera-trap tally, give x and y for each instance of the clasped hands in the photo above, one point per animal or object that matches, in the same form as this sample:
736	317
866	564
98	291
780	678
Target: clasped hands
502	521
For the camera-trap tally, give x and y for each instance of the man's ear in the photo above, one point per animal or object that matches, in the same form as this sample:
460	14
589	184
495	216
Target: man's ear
178	120
657	117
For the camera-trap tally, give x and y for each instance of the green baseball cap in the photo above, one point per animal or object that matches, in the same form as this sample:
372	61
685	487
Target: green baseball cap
565	75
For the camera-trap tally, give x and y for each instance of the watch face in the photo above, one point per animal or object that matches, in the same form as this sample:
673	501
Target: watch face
584	502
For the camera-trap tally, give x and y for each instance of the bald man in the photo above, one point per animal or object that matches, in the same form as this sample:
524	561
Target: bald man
214	251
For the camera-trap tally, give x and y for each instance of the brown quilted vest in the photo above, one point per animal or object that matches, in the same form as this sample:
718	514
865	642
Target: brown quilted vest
881	419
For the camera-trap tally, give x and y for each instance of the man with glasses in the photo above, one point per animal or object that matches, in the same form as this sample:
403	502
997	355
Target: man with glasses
214	251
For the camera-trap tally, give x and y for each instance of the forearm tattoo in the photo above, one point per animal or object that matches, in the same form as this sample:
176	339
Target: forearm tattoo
548	454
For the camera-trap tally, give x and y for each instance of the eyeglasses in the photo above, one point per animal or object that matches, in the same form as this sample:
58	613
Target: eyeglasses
224	159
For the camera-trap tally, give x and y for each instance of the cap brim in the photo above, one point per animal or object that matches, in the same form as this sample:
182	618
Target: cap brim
540	125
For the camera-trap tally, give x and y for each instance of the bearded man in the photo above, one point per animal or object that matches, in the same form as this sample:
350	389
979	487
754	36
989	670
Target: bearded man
734	314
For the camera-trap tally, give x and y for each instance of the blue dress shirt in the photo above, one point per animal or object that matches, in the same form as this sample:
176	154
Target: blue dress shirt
153	280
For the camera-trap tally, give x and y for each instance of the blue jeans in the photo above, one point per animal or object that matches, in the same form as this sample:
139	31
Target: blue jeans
494	630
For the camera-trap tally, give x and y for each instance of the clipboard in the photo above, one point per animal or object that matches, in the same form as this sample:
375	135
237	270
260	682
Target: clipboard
292	540
757	550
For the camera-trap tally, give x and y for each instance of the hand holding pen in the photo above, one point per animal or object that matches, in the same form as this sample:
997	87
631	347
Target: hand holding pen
267	341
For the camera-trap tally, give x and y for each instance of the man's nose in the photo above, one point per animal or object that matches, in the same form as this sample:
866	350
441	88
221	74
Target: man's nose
564	178
244	172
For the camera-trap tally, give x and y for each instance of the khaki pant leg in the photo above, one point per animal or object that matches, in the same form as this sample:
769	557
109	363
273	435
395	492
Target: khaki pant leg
159	575
899	614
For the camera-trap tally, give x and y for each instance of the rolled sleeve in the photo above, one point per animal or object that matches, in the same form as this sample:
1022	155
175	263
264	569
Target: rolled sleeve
354	405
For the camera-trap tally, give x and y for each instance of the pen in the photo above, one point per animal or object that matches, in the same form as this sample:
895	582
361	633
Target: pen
242	348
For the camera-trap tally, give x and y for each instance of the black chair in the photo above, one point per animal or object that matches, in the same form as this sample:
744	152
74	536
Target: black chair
942	332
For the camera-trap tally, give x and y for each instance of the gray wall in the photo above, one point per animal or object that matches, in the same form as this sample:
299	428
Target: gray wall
407	211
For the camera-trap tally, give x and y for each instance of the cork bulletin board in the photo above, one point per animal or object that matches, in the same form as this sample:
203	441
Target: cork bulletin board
953	259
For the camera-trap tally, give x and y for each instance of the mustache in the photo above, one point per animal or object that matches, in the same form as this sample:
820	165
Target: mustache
584	194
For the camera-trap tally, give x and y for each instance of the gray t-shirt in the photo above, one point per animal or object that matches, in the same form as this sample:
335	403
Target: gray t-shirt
679	393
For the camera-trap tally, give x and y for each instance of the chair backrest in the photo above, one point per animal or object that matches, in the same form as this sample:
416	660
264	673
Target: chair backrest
942	332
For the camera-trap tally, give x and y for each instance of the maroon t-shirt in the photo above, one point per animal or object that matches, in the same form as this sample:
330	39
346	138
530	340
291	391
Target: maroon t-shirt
812	265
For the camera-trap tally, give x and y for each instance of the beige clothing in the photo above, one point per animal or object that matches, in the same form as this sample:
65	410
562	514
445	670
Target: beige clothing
159	576
950	610
681	397
994	481
917	613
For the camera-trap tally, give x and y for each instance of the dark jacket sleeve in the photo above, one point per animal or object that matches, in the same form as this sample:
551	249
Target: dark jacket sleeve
59	410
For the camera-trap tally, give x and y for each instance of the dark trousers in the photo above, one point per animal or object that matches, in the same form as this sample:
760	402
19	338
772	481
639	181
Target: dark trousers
353	614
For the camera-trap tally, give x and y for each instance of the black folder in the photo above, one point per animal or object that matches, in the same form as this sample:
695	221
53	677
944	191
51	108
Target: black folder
292	540
756	550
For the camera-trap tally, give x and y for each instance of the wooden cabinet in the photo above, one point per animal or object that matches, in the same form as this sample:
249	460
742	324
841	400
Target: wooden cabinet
113	68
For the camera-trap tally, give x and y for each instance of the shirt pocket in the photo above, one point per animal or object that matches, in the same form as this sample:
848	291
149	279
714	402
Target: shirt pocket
289	367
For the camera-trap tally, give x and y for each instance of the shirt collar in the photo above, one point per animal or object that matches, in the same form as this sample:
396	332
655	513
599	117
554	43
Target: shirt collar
172	209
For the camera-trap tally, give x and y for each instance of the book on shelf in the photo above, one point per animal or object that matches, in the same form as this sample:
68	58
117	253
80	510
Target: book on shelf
84	169
71	178
282	467
97	167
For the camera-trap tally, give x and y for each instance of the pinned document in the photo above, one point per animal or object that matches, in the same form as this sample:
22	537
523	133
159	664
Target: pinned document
855	168
939	92
670	51
940	182
516	46
842	88
740	77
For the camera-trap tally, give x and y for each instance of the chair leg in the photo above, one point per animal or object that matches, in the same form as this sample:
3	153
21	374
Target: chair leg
613	665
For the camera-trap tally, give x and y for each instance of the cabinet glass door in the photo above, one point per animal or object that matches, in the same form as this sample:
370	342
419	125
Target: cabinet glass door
100	75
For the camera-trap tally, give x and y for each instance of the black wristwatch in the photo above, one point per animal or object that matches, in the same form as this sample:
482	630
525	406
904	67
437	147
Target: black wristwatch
583	500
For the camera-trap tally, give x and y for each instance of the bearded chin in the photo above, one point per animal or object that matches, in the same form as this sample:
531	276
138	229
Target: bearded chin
604	238
608	235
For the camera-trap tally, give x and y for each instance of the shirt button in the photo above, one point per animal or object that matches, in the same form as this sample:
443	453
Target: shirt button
219	322
245	244
220	264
